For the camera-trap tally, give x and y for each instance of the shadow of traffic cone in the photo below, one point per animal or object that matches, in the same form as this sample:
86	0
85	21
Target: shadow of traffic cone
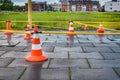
36	52
8	28
100	30
71	28
28	35
86	27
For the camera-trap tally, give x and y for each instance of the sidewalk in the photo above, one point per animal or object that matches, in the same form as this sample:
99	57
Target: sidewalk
81	57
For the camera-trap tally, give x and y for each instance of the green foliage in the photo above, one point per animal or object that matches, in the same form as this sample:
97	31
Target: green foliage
6	5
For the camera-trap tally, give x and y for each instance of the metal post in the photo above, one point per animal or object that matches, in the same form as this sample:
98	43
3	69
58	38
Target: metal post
30	12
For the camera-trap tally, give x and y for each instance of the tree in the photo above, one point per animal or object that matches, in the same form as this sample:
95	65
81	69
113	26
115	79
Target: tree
6	5
18	8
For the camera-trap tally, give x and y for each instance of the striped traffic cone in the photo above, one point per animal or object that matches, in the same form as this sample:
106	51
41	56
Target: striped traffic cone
86	27
8	28
36	52
100	30
28	35
71	27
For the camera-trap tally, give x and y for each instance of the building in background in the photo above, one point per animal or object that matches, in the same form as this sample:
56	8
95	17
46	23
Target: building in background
112	6
80	5
56	6
37	6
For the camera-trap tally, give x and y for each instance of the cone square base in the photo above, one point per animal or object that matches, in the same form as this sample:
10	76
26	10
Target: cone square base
31	58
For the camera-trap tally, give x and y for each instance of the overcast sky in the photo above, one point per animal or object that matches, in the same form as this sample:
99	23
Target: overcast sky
21	2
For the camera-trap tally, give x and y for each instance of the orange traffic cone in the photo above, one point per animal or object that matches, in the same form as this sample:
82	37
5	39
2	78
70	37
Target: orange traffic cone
100	30
86	27
8	27
28	35
36	30
36	52
71	27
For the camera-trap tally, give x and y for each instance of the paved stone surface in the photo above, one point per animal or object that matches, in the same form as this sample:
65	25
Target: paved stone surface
11	73
36	73
93	74
104	63
17	48
106	44
94	55
56	55
116	49
68	49
111	55
63	63
97	49
14	54
2	52
5	61
81	57
21	62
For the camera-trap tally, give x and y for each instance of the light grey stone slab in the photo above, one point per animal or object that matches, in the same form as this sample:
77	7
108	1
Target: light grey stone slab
97	49
105	44
63	63
66	49
104	63
1	52
48	49
87	44
14	54
57	55
93	74
116	49
5	61
16	48
94	55
23	63
111	55
117	70
36	73
11	73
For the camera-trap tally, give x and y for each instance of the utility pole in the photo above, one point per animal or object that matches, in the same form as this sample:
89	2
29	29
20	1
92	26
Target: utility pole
30	12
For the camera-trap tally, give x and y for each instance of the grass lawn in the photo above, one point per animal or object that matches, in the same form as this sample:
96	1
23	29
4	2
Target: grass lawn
60	20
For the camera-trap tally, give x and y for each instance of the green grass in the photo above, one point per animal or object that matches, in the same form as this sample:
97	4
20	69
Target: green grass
60	20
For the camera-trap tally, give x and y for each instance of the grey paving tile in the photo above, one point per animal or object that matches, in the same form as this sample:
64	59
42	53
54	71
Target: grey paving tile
111	55
48	44
116	49
106	44
57	55
104	63
87	44
23	63
14	54
66	49
48	49
18	35
1	52
16	48
63	63
11	73
11	43
94	55
36	73
117	70
97	49
5	61
93	74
